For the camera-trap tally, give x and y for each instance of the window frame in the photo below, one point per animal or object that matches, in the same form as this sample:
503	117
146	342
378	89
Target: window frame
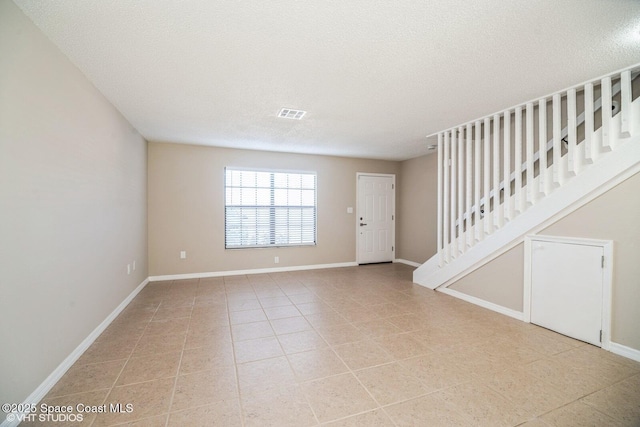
272	226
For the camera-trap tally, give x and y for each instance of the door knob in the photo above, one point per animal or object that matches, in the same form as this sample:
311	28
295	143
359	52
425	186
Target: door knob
362	223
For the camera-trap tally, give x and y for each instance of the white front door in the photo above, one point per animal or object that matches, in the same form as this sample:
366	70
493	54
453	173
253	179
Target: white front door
376	218
567	289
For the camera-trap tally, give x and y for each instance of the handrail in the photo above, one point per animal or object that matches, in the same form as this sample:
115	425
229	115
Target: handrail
615	89
635	69
474	157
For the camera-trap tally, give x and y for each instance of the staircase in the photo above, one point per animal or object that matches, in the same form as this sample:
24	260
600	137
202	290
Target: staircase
517	171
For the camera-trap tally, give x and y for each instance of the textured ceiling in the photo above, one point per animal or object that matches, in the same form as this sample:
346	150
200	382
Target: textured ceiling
375	76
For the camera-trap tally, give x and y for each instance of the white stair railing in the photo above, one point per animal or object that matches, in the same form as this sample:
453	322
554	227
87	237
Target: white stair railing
585	118
493	169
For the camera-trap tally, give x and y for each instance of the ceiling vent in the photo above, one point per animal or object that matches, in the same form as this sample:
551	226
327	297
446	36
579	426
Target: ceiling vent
287	113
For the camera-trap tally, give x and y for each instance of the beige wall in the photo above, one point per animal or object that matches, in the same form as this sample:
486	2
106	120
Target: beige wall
612	216
417	208
72	206
186	208
499	281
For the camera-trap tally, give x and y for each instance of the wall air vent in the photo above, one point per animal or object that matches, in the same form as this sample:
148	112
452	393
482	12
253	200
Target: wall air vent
287	113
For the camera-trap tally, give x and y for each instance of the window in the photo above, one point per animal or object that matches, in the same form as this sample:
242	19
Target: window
269	208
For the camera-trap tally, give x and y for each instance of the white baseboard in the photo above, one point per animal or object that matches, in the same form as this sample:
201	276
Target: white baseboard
250	271
619	349
482	303
55	376
624	351
407	262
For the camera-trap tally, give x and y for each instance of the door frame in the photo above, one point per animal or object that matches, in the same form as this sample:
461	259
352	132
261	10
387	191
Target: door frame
607	277
393	208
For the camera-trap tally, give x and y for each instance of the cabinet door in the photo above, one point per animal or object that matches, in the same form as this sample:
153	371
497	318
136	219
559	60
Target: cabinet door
566	289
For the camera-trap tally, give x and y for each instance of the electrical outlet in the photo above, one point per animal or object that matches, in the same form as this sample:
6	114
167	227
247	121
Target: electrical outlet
183	254
276	259
349	210
128	268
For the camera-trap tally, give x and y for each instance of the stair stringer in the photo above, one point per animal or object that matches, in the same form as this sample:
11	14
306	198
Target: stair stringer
610	170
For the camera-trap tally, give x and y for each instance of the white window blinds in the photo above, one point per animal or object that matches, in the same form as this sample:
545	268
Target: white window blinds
269	208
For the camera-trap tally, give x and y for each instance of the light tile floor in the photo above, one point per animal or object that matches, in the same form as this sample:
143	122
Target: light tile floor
358	346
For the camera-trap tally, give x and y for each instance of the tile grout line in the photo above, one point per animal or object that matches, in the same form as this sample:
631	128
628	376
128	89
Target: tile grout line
175	381
380	407
113	386
298	384
359	289
580	399
233	349
347	366
284	354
